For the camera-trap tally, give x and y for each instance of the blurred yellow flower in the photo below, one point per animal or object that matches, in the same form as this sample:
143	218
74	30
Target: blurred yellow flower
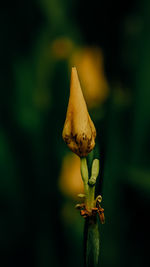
70	181
79	132
89	62
62	47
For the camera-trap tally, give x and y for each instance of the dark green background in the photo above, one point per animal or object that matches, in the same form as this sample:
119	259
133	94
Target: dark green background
34	89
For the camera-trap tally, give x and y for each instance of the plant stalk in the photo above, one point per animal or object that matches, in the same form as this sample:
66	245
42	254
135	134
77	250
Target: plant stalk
91	242
91	229
91	197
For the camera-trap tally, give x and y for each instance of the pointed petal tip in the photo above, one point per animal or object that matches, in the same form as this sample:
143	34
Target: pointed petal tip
74	69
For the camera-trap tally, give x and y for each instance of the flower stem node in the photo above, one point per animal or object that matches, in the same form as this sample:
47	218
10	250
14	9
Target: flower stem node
79	132
93	213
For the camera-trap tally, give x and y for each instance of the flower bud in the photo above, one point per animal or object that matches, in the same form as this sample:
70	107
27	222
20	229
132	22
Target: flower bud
79	132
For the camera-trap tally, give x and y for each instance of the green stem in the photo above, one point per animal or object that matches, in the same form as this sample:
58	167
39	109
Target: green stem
91	242
91	230
88	188
91	197
85	177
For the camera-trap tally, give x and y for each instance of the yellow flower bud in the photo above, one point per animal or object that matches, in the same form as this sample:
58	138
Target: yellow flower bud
79	131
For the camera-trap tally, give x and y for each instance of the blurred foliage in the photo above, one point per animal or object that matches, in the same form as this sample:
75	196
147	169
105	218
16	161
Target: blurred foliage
39	39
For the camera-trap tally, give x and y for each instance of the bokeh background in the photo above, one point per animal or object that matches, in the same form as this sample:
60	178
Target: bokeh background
109	43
